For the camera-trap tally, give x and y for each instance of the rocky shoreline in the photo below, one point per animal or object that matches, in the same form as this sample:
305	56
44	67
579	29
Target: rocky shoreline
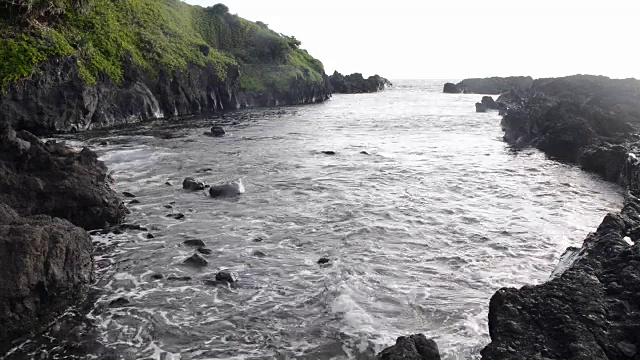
357	84
50	196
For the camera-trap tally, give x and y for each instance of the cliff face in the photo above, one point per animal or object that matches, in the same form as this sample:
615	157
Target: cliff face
589	308
102	63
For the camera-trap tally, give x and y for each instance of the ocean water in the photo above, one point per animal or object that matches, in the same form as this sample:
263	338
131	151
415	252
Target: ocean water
421	230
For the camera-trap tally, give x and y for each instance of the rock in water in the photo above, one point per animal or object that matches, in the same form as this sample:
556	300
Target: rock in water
128	194
230	189
45	266
196	260
194	242
205	251
323	260
480	108
217	131
227	276
451	88
414	347
192	184
328	152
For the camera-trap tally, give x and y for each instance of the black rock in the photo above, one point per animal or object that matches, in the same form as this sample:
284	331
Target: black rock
259	253
168	206
157	276
179	278
177	216
217	131
121	301
204	170
192	184
230	189
451	88
204	251
328	152
258	239
227	276
364	153
414	347
135	227
356	83
167	183
195	242
196	260
128	194
134	201
324	260
480	108
489	103
150	236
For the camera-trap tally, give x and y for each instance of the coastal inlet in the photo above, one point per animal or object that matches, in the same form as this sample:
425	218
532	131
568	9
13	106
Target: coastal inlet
417	208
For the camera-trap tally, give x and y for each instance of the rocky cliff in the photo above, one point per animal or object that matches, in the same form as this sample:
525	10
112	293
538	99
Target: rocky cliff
493	85
357	84
588	308
72	65
49	195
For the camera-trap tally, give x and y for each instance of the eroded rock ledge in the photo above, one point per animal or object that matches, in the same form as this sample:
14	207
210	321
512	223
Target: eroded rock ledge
492	86
357	84
49	195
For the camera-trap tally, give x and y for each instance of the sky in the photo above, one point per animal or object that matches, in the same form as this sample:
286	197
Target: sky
456	39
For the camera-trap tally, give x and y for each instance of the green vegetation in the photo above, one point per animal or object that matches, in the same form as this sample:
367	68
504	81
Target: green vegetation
154	34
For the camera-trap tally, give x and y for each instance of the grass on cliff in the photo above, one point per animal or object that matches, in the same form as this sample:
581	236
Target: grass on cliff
154	35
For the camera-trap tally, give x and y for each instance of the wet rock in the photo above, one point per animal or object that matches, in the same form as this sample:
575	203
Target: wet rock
356	84
55	180
480	108
157	276
196	260
204	251
135	227
451	88
414	347
328	152
259	253
119	302
168	183
46	265
204	170
177	216
104	143
134	202
195	242
150	236
229	189
217	131
128	194
168	206
324	260
192	184
491	104
226	276
364	153
258	239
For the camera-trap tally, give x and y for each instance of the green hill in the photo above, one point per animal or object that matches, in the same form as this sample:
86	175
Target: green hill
157	34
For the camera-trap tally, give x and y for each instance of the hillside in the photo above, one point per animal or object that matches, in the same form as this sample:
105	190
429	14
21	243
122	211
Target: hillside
190	58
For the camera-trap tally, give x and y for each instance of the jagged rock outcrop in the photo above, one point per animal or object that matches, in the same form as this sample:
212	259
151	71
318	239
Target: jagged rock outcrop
589	308
45	265
413	347
46	262
357	84
57	99
492	85
53	179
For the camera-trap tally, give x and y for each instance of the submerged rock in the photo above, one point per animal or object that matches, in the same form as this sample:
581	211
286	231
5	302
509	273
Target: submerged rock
217	131
414	347
328	152
194	242
204	251
324	260
229	189
480	108
177	216
226	276
128	194
196	260
192	184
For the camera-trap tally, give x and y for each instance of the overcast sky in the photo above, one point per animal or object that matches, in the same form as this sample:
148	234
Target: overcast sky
412	39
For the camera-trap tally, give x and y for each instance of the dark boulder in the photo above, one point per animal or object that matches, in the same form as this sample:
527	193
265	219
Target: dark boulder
204	251
357	84
196	260
192	184
494	85
451	88
480	108
53	179
414	347
491	104
328	152
177	216
226	276
128	194
45	266
194	242
323	260
217	131
229	189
